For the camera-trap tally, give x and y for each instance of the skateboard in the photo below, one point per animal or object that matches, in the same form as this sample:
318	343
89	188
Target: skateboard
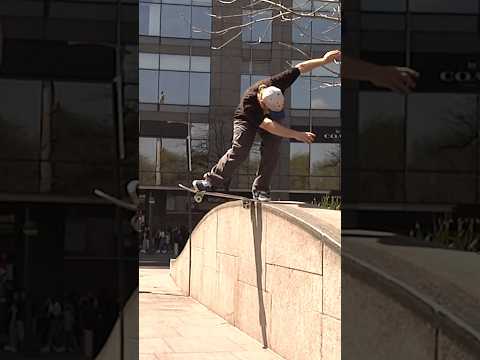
198	197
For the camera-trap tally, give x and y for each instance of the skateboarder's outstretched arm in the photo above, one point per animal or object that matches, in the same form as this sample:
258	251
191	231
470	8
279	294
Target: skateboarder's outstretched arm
396	78
278	129
309	65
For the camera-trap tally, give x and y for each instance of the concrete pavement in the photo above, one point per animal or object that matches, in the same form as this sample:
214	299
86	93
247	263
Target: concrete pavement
176	327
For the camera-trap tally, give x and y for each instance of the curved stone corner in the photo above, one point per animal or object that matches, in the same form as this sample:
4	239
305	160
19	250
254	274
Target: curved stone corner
273	271
415	300
113	346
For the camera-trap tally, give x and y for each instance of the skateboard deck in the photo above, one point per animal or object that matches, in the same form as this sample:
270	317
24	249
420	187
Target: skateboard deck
198	197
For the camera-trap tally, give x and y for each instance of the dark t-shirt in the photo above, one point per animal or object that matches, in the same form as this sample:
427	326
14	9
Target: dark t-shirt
249	109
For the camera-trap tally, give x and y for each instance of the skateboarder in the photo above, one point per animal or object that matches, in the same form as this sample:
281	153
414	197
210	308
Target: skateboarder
261	109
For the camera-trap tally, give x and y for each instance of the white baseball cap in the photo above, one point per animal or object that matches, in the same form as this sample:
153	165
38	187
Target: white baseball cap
273	98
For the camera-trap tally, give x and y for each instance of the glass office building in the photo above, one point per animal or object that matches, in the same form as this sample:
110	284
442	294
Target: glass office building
421	152
68	125
189	88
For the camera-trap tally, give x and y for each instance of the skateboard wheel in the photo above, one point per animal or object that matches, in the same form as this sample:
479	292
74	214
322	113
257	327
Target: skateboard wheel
198	198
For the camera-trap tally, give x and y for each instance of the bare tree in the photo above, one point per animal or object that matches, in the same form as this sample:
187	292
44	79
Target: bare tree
232	18
246	14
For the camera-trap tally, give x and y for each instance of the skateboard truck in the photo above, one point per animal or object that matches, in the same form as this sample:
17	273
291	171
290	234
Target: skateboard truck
198	197
246	204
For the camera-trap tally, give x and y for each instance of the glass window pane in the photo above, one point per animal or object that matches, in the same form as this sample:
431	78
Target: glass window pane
148	61
442	132
20	176
201	22
199	89
202	2
174	87
325	95
80	179
176	21
83	115
300	93
255	78
147	148
149	21
383	22
199	156
325	31
254	157
382	5
262	31
324	183
173	178
385	186
301	31
177	2
143	23
305	5
173	156
258	31
20	116
381	130
444	22
325	159
246	30
130	65
437	188
200	63
148	86
298	182
199	131
299	159
328	70
173	62
327	6
147	178
445	6
244	83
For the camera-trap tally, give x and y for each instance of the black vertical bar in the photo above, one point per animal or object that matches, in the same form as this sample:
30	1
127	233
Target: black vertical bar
405	102
189	180
118	115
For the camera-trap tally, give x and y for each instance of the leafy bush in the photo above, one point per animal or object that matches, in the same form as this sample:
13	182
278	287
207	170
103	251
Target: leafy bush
453	233
328	202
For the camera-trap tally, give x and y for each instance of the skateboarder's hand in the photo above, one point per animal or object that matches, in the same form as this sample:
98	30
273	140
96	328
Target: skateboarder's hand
330	56
400	79
306	137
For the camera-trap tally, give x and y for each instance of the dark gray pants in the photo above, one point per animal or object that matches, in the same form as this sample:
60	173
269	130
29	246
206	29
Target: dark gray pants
243	137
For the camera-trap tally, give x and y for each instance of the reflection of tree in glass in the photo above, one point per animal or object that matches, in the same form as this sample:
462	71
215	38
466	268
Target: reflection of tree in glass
146	163
200	156
454	142
299	164
173	167
74	129
381	143
147	170
171	162
253	160
251	163
298	182
218	137
461	132
17	140
328	167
